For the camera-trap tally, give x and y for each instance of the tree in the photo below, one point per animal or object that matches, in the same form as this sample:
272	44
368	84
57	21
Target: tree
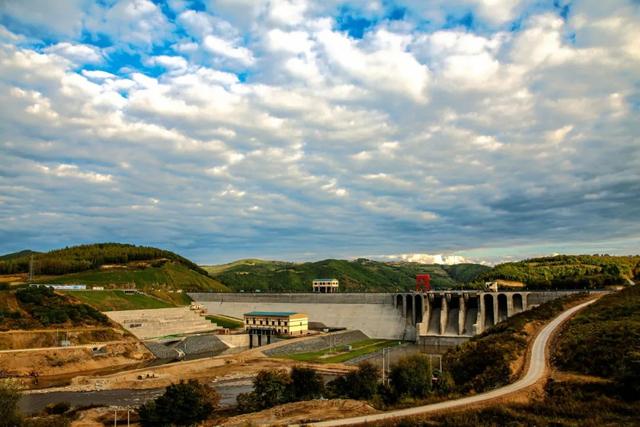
305	384
361	384
411	376
9	397
270	388
182	404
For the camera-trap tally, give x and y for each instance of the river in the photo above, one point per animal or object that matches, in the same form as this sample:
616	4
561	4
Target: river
36	402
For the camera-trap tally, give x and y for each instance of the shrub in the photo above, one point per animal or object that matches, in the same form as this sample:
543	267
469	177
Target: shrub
411	376
57	408
182	404
270	388
9	398
361	384
306	384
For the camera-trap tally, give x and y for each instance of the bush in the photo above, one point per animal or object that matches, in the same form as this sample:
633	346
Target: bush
270	388
50	308
411	376
182	404
361	384
9	398
57	408
305	384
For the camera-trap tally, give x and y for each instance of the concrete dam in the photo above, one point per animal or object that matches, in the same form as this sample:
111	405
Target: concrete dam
448	317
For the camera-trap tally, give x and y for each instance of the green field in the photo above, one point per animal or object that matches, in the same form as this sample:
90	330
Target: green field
171	275
340	354
225	322
117	300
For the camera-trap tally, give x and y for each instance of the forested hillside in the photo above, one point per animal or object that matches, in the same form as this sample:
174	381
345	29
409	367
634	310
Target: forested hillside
112	265
361	275
86	257
569	271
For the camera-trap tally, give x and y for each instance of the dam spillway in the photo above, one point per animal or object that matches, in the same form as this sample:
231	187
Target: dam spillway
444	315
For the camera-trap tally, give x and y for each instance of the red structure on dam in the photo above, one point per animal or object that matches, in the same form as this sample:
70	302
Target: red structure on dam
423	283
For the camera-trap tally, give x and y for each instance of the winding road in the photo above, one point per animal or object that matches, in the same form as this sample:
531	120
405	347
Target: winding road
536	371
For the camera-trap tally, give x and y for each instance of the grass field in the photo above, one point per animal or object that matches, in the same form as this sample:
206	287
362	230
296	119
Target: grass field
118	300
225	322
340	355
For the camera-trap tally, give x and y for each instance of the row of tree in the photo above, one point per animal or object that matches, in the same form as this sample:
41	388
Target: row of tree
411	378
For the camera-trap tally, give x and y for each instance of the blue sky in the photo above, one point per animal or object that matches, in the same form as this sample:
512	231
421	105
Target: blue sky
480	130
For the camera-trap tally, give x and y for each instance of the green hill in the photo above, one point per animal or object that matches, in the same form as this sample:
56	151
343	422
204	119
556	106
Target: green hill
114	265
569	271
18	255
88	257
168	275
361	275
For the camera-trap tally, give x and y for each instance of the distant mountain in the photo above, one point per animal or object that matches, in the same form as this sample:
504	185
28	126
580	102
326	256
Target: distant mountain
361	275
113	264
17	255
569	271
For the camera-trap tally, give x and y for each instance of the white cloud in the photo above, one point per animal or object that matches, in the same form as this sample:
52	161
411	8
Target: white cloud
217	45
63	19
422	258
77	53
73	171
140	23
251	124
388	67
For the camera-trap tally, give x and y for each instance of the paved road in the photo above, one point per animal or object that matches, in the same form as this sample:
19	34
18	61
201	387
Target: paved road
536	371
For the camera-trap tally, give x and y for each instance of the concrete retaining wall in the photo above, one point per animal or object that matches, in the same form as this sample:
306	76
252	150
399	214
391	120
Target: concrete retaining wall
158	322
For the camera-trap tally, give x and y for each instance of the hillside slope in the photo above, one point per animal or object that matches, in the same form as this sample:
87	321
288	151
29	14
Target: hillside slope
361	275
569	271
168	275
87	257
112	265
41	307
18	255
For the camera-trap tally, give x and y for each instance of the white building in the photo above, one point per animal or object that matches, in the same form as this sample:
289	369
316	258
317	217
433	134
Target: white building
325	286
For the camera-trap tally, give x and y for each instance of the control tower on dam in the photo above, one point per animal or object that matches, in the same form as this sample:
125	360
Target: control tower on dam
448	317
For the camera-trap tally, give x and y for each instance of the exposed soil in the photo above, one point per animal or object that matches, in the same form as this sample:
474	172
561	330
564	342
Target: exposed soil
29	339
299	413
70	361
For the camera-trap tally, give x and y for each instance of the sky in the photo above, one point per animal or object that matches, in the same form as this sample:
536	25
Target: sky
431	131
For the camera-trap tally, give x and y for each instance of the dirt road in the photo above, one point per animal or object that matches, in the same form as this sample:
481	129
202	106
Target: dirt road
536	371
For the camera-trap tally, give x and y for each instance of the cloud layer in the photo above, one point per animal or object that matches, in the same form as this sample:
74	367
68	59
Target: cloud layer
300	129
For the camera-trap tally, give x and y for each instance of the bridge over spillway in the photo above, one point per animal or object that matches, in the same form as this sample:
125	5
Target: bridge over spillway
440	315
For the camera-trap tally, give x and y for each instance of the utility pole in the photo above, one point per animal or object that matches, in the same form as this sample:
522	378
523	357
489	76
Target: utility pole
31	269
385	365
383	349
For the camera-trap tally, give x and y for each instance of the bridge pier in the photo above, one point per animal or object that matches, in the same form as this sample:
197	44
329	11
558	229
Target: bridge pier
444	313
462	314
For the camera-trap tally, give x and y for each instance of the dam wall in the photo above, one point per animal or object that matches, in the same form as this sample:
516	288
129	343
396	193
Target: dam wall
414	316
373	314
